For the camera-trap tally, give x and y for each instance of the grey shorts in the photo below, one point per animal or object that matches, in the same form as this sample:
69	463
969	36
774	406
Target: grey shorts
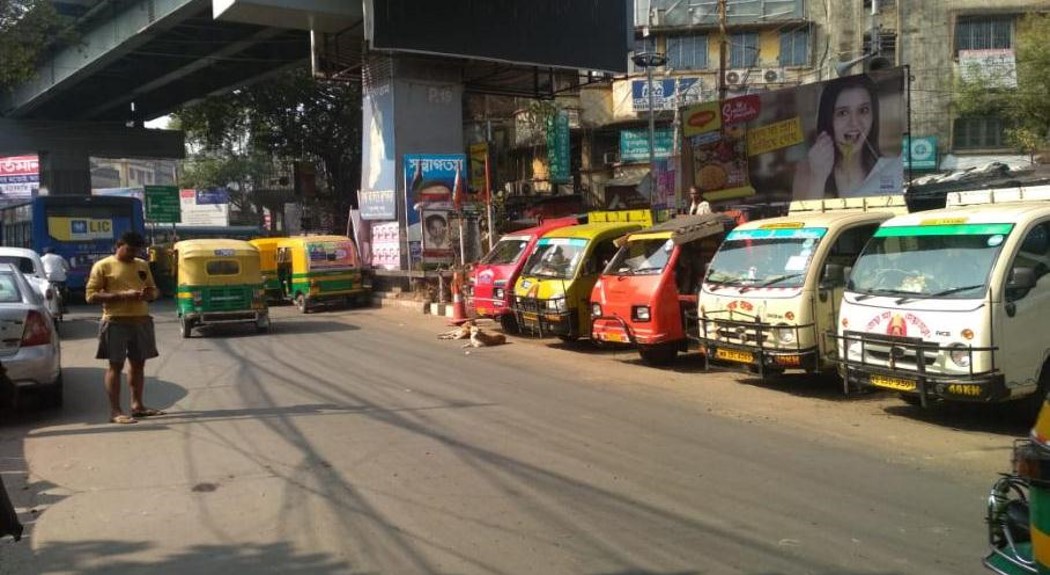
118	341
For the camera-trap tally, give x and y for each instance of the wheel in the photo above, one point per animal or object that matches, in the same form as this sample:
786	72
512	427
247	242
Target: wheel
263	325
185	327
658	355
300	303
52	396
509	323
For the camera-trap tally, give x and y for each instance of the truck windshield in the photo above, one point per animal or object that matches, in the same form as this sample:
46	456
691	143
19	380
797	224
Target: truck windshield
765	258
944	261
556	258
641	257
506	251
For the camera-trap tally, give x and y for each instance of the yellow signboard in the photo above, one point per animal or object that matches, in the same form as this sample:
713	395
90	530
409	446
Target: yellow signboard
784	226
701	118
622	216
774	136
943	222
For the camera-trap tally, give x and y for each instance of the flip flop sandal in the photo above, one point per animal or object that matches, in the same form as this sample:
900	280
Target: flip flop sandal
123	419
147	413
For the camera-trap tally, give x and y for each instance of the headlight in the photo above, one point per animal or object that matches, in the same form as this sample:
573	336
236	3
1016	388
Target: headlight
641	312
853	349
499	293
960	355
556	304
784	335
596	310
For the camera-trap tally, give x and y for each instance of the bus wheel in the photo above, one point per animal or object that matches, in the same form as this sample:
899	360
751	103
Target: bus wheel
658	355
185	327
300	303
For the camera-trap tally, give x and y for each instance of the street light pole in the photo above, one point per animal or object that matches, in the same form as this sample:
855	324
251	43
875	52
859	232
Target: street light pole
649	60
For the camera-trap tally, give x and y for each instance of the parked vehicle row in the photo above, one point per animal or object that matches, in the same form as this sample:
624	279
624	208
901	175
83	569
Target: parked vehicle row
936	305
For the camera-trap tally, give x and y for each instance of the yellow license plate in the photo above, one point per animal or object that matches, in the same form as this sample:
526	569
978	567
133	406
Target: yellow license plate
734	355
893	383
611	336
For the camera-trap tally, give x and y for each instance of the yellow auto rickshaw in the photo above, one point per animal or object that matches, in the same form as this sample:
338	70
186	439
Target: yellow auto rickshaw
219	282
321	270
268	261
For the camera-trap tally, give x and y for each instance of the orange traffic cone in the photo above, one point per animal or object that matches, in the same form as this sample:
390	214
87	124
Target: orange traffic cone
459	308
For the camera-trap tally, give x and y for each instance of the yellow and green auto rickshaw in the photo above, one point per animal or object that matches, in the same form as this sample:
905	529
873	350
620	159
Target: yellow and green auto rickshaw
321	270
218	282
162	266
268	261
552	294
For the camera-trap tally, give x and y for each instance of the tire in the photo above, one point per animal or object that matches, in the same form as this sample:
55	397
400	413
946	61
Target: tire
1031	405
911	399
658	355
185	327
509	323
300	303
52	396
262	326
568	338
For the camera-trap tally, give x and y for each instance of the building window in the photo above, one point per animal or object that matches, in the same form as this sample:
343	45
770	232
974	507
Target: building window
972	132
984	32
687	52
743	50
794	47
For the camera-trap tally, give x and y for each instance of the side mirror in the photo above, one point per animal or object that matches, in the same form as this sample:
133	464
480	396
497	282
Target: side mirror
1021	278
834	275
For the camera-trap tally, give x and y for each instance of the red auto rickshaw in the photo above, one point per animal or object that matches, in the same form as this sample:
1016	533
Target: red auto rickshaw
490	287
644	294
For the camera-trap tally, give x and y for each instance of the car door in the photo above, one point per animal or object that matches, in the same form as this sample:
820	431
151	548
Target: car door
1023	339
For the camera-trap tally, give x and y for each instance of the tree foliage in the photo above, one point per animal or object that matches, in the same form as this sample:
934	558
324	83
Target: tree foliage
241	136
27	27
1027	106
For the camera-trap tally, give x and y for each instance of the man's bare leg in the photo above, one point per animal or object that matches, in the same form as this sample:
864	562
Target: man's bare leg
112	380
137	381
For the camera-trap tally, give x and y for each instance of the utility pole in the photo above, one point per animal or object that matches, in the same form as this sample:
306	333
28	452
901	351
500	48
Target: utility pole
722	41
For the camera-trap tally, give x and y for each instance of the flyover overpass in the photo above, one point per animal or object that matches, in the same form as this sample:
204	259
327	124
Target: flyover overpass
140	59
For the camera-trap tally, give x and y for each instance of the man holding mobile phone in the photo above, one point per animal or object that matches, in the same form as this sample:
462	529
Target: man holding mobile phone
124	286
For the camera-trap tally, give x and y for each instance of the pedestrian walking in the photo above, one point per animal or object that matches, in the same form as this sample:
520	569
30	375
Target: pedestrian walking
124	286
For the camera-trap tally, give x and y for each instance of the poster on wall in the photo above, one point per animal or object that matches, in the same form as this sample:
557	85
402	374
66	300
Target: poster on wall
840	138
437	241
19	177
386	245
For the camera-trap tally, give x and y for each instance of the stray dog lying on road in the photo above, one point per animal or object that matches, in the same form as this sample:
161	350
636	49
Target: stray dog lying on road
479	338
461	332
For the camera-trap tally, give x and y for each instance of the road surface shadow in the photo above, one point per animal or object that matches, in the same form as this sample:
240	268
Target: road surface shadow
826	387
1011	419
104	557
307	325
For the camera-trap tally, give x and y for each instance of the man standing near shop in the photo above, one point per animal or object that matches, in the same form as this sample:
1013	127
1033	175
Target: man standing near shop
124	286
697	204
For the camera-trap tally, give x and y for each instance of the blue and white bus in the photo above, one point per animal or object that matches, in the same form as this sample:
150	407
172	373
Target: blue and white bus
81	229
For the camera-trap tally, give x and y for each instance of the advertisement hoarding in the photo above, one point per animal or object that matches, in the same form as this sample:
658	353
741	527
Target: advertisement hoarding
19	177
429	180
840	138
195	213
634	144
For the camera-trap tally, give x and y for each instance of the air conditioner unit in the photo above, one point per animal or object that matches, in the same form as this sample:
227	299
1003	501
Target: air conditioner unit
736	78
610	158
773	75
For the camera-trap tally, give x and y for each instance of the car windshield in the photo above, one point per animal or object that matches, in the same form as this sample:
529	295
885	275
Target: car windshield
556	258
24	265
641	257
506	251
765	257
948	261
9	292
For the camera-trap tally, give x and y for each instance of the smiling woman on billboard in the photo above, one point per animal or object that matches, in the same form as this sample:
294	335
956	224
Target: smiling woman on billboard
844	159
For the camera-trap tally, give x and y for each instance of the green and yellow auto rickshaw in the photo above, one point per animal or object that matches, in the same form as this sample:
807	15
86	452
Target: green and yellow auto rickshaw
268	261
218	282
321	270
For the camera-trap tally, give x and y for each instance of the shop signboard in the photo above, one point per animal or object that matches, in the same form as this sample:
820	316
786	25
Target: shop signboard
920	153
558	148
634	144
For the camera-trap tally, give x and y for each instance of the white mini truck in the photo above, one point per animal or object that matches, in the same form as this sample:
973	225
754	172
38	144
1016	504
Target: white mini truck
952	304
772	290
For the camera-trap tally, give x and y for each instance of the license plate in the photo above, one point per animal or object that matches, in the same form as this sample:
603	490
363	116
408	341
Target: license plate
530	317
617	337
893	383
734	355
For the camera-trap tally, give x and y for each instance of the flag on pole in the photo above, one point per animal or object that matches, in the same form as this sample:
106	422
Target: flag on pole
457	191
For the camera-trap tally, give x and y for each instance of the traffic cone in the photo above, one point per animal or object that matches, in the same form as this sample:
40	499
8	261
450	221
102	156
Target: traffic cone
459	307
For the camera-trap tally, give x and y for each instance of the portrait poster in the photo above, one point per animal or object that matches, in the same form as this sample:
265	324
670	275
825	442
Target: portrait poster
839	138
437	236
429	179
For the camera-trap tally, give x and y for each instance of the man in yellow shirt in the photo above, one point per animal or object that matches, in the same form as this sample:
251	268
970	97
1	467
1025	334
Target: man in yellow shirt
124	286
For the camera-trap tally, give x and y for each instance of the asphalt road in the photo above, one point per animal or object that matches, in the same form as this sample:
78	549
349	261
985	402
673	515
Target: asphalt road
357	442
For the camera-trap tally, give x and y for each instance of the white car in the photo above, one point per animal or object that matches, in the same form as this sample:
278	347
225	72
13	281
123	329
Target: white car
29	345
32	267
